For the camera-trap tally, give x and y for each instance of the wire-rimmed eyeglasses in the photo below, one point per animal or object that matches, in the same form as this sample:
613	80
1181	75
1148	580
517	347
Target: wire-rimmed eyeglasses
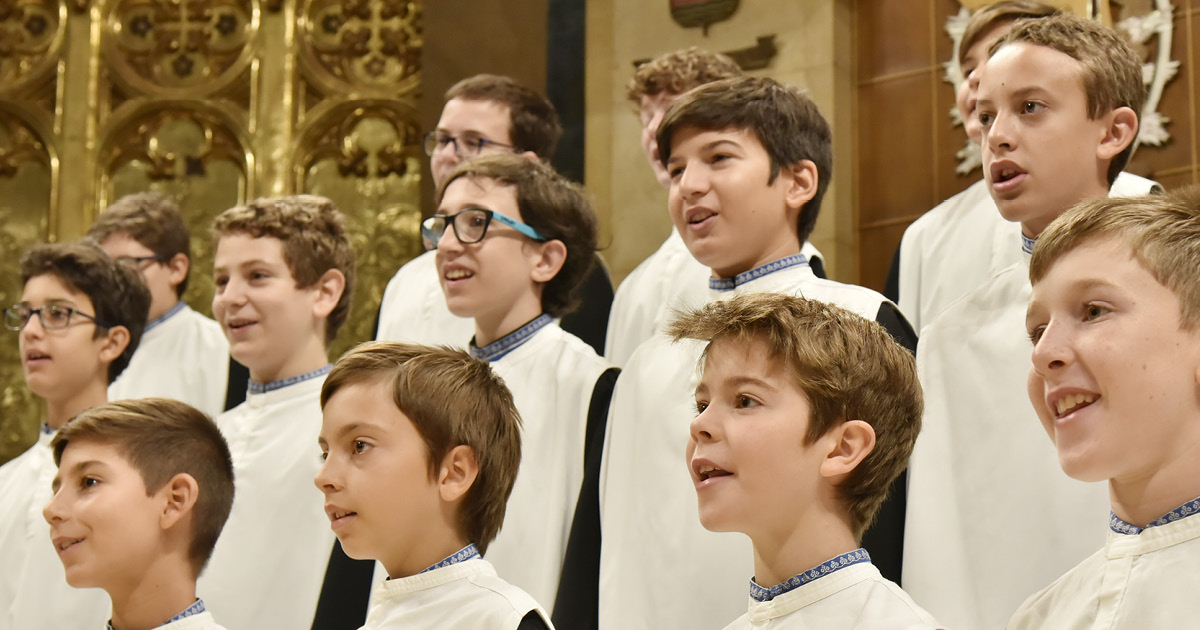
468	145
51	316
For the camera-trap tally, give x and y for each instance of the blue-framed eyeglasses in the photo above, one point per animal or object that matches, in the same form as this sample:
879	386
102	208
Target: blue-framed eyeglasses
471	225
469	145
51	316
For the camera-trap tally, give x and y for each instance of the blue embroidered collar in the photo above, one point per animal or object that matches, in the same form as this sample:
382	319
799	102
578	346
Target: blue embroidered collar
462	555
729	284
262	388
509	342
1027	244
763	594
1121	527
46	430
196	608
171	312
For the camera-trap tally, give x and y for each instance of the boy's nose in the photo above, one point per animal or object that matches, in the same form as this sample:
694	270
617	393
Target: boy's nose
52	511
1051	352
324	479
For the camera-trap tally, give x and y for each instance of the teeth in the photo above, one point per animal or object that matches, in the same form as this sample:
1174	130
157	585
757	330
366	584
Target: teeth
458	274
1071	402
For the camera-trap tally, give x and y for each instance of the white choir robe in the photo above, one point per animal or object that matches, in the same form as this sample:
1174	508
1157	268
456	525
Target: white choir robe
856	597
659	567
1136	582
990	516
463	596
552	376
961	243
185	356
34	594
269	564
668	280
413	308
199	621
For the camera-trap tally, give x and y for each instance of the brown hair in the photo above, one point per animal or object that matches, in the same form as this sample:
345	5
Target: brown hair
847	367
313	233
679	71
150	219
784	119
533	123
1162	230
990	15
1111	72
118	295
162	438
554	206
452	399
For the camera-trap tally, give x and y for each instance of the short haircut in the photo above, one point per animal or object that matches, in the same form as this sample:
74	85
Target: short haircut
1112	74
554	206
533	123
990	15
116	291
679	71
150	219
784	119
313	233
1162	230
452	399
847	367
161	438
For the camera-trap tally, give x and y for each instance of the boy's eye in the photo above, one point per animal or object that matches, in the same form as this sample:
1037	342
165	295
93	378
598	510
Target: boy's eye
1093	311
675	171
985	118
221	281
360	446
1031	107
701	405
324	455
744	401
57	315
88	482
1035	334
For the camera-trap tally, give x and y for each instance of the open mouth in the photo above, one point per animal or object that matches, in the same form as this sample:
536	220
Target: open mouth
35	355
458	274
707	471
1073	403
239	324
1006	174
699	215
62	544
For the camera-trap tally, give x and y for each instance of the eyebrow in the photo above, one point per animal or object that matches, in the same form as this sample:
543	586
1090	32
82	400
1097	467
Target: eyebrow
709	146
350	428
1077	286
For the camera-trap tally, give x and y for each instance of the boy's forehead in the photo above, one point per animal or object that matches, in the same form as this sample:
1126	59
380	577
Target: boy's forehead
698	137
489	117
123	244
1024	66
468	190
235	247
50	287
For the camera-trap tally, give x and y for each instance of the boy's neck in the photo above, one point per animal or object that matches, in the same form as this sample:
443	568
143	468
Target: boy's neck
1034	227
59	411
163	590
1143	500
309	356
790	247
818	535
491	327
157	313
425	555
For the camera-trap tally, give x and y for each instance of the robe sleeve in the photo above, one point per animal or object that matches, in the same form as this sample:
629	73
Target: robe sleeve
239	381
589	322
576	605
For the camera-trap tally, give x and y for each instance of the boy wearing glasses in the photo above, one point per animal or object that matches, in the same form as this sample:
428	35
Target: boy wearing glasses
485	114
78	323
183	354
514	241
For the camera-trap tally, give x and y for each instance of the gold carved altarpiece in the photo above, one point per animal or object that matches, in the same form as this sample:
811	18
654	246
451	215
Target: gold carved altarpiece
211	102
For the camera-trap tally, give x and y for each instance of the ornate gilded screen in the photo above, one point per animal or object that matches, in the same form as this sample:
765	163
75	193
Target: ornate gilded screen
211	102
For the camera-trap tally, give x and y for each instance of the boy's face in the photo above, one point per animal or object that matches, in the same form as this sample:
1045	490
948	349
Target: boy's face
730	218
103	524
486	119
487	280
378	492
161	277
263	313
1040	148
60	363
746	452
968	90
1114	377
651	113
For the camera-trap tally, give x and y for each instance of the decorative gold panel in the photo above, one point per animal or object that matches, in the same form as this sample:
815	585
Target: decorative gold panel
210	102
365	156
27	174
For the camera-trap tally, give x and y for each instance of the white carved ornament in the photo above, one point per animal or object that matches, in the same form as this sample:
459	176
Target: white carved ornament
1156	73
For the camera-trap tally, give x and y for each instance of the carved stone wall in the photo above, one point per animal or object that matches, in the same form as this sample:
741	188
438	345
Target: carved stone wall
211	102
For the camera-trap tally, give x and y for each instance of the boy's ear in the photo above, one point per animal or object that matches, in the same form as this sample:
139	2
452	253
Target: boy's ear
531	156
329	290
177	268
1119	133
115	343
803	186
551	256
180	494
458	472
852	441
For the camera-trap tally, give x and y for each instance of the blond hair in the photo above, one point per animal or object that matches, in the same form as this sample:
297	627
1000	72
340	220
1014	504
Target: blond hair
847	367
990	15
162	438
1162	230
679	71
452	399
1112	74
313	233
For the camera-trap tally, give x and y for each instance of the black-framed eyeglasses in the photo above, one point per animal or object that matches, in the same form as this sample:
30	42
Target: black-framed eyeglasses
51	316
138	260
471	225
469	145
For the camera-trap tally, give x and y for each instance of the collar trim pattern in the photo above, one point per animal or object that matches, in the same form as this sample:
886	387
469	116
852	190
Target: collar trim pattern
263	388
513	340
764	594
1116	524
729	284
